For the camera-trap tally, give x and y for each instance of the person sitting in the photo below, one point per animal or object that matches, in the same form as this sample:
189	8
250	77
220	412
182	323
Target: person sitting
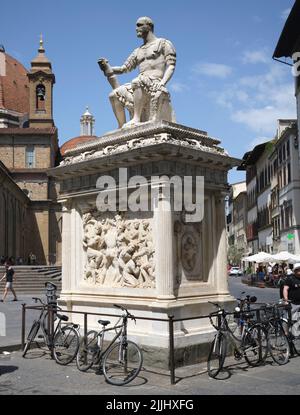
146	97
260	274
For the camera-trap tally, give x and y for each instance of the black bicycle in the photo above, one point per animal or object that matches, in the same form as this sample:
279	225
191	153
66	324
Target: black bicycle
278	343
291	326
244	305
121	360
63	341
252	345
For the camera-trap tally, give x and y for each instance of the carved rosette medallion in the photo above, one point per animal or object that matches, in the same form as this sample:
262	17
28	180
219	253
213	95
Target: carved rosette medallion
189	251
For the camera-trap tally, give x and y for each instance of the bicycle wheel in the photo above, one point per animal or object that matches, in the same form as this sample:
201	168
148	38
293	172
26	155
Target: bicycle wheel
255	345
217	355
278	345
87	353
65	345
296	344
31	335
122	363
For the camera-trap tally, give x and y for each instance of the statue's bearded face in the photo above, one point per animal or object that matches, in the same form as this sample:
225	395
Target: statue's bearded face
142	28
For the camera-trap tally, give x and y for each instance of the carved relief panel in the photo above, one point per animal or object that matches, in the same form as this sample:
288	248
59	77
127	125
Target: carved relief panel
119	250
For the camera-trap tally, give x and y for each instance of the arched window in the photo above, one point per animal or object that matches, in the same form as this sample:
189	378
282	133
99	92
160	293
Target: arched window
30	157
40	97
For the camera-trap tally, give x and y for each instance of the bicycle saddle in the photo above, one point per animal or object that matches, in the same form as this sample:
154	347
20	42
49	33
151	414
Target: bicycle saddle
63	318
104	322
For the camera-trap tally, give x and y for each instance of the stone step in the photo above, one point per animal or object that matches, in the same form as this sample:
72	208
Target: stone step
31	268
31	284
32	279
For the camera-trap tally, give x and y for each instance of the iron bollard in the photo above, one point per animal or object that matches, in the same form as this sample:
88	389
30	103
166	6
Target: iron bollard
85	336
23	325
171	343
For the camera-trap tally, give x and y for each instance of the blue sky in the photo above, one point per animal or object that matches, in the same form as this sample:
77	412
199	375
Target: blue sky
225	82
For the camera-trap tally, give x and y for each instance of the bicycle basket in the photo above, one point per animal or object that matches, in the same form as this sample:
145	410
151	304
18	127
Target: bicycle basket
51	293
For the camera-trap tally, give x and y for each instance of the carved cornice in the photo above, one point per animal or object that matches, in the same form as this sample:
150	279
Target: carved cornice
144	131
158	147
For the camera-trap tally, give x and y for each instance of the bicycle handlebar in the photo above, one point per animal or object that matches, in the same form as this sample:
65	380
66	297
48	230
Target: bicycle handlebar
36	299
53	306
215	304
128	315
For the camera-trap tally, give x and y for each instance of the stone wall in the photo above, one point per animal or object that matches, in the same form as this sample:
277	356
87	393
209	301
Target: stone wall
13	217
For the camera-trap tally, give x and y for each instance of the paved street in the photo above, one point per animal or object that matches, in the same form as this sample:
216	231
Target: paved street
264	295
38	374
11	313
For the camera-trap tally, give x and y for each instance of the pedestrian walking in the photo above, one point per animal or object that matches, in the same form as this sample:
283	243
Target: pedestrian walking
9	275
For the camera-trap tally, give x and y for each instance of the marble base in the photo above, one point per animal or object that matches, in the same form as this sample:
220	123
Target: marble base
154	263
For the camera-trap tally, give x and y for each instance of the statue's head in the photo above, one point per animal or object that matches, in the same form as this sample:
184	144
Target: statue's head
144	25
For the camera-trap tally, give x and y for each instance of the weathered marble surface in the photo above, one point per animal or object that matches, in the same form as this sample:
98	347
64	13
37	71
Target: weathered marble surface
146	97
119	251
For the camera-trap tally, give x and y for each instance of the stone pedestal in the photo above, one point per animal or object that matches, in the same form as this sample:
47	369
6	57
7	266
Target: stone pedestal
154	262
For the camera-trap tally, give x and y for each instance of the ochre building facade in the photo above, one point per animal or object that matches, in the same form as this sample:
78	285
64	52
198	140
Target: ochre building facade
30	217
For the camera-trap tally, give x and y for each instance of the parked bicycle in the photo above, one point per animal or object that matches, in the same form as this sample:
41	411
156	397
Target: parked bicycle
278	344
244	304
291	326
121	360
63	342
252	345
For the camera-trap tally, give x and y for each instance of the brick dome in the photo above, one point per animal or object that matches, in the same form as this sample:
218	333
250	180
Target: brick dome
76	141
14	85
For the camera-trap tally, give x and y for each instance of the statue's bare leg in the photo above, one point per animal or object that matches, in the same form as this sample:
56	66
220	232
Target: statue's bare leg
118	110
138	100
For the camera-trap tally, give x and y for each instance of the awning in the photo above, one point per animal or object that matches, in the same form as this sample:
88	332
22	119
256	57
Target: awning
290	34
264	257
285	256
259	258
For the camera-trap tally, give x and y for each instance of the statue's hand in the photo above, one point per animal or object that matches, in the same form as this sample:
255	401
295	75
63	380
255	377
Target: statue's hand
103	63
157	86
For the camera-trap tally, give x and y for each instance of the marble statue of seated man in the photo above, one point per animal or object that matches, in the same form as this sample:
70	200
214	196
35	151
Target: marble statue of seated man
146	97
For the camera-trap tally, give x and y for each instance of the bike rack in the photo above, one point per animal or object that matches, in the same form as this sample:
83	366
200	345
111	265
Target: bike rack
171	321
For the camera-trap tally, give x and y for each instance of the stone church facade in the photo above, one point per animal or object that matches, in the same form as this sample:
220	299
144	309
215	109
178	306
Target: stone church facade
30	217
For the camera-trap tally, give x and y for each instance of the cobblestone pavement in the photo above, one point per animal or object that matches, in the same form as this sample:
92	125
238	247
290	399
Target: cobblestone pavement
37	374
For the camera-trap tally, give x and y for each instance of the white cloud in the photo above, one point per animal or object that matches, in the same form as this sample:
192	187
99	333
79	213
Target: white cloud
230	96
258	101
178	87
263	119
285	13
216	70
255	56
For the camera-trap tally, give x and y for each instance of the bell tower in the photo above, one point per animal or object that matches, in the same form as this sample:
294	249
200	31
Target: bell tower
87	122
41	81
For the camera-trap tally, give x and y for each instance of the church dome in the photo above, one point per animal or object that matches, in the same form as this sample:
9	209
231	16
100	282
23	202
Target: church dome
76	141
14	85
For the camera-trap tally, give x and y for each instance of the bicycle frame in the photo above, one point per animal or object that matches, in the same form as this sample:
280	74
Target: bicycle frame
100	338
48	333
224	329
289	322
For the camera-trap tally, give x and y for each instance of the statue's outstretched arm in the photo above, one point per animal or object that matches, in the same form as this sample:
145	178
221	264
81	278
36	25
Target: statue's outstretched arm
119	69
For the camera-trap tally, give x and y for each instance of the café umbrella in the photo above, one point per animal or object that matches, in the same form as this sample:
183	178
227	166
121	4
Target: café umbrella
259	258
287	257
